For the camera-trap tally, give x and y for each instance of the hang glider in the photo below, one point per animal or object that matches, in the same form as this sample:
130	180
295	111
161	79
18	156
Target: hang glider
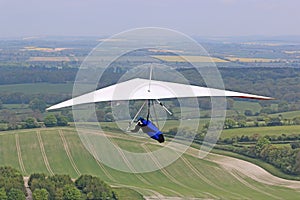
145	89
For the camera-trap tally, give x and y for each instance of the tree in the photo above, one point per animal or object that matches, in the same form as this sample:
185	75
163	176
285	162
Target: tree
70	192
230	103
1	104
205	103
15	194
100	115
67	114
31	122
11	178
62	120
94	188
60	180
40	194
248	113
274	121
50	120
108	117
296	120
229	123
38	176
261	144
38	104
283	106
3	195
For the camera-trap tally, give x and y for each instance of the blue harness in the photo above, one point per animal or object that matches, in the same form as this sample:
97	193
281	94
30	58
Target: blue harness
151	130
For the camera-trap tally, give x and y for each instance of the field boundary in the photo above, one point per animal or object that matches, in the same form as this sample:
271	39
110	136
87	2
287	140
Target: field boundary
38	134
21	163
66	147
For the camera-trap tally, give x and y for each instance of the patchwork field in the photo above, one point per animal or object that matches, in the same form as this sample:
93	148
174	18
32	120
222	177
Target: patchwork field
189	59
215	177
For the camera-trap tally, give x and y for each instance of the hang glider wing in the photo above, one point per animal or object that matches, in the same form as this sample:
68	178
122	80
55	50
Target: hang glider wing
138	89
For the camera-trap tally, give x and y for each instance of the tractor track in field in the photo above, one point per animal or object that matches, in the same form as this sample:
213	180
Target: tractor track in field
236	175
245	168
252	171
21	163
38	134
91	149
156	195
66	147
164	171
141	178
173	191
230	164
206	180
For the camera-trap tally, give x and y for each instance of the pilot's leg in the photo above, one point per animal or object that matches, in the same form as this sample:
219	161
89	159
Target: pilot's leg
136	129
161	138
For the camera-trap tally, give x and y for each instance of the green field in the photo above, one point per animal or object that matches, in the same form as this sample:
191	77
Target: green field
241	106
38	88
61	151
261	131
287	115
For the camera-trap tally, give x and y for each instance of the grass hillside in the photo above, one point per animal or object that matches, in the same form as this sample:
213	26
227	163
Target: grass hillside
61	151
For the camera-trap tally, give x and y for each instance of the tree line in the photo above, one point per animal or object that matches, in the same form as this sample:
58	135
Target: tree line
284	157
55	187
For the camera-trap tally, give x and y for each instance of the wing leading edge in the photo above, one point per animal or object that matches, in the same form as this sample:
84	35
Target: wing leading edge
138	89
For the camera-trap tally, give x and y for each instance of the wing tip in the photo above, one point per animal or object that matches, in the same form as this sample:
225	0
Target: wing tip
256	97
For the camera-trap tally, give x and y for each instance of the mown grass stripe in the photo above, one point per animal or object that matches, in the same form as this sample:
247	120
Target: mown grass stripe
244	182
91	149
165	172
21	163
203	178
66	147
129	165
38	134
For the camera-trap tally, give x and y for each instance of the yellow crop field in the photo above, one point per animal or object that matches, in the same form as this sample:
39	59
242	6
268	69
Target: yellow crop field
49	59
43	49
234	59
189	59
292	52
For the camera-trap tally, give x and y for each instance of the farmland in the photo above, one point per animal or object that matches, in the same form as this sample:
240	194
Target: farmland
45	70
189	59
240	59
61	151
38	88
49	59
261	131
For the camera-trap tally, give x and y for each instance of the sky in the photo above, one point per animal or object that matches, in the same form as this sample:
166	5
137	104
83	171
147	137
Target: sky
25	18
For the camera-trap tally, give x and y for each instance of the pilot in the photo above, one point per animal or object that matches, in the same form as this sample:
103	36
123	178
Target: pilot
150	129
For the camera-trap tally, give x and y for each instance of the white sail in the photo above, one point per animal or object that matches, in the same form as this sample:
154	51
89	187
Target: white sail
138	89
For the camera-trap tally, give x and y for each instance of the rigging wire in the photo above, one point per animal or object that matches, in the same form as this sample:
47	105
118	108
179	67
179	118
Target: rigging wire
156	118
